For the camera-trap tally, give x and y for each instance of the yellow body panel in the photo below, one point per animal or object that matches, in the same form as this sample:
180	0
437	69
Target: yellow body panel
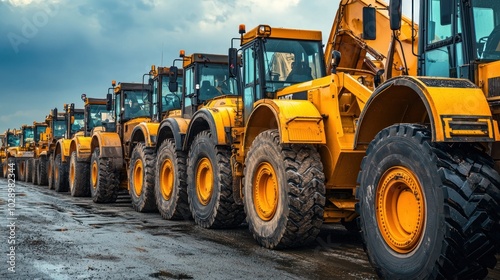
486	72
284	33
223	117
82	146
182	123
298	120
130	125
107	141
459	102
63	147
149	130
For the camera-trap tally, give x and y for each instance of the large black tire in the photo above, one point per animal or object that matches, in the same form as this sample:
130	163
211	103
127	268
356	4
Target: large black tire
171	182
79	181
5	167
427	209
34	175
29	170
142	178
60	174
41	170
104	180
50	172
21	170
2	172
284	192
210	189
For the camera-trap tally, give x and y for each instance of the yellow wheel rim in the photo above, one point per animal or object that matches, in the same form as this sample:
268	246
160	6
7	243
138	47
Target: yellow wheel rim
400	209
138	177
94	174
265	191
71	174
56	172
204	181
167	179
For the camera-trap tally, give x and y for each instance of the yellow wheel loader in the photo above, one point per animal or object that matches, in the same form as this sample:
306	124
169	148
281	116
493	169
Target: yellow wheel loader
188	158
58	169
56	128
3	154
96	118
131	146
10	148
39	128
24	151
413	156
127	157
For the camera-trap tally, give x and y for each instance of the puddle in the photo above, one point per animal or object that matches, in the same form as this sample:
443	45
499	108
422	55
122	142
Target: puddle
103	257
165	274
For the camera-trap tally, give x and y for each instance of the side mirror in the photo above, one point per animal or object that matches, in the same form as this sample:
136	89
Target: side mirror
173	86
395	14
335	61
369	23
173	73
109	102
233	62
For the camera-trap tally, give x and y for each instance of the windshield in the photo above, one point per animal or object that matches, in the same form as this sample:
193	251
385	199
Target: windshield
486	15
171	100
288	62
214	81
98	115
136	104
78	123
28	135
39	131
13	140
59	128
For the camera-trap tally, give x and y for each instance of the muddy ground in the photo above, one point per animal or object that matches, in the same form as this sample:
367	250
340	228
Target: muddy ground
60	237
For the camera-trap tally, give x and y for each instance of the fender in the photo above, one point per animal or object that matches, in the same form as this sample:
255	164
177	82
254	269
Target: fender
145	132
456	109
298	121
217	120
109	144
62	147
81	144
173	128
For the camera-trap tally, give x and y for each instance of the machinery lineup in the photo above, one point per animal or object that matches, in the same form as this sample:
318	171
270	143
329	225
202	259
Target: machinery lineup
393	134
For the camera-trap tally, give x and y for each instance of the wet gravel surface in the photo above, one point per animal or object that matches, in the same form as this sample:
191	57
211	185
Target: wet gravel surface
61	237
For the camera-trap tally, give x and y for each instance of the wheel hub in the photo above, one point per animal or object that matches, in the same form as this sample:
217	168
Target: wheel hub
204	181
94	174
167	179
265	191
71	174
138	177
400	209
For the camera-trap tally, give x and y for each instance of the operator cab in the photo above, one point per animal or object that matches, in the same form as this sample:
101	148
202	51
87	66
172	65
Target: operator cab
458	37
205	79
274	59
13	139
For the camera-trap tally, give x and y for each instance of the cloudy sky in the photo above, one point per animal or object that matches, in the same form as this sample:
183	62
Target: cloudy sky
52	51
